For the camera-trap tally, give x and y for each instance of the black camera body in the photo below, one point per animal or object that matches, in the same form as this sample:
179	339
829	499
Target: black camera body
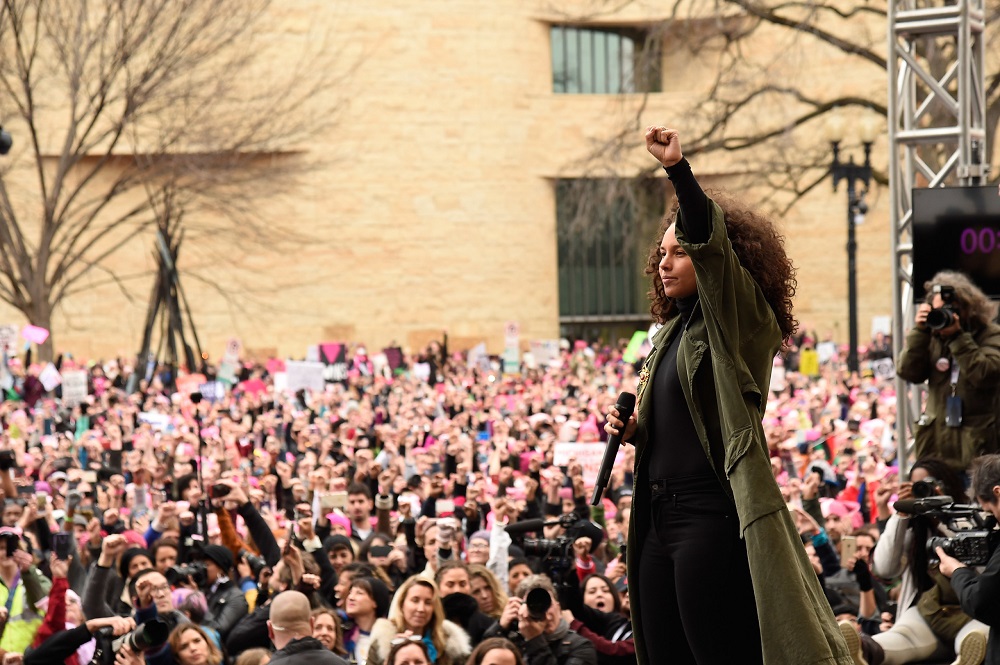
255	562
147	635
195	570
944	316
975	536
556	554
7	460
927	487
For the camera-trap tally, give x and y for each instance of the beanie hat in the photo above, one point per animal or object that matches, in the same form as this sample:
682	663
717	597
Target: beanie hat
381	595
127	557
220	556
337	541
480	535
134	538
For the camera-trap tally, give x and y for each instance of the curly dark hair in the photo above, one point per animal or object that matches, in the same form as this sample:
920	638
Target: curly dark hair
760	250
975	308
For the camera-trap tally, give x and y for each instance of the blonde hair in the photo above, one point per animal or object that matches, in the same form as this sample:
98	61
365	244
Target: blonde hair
435	627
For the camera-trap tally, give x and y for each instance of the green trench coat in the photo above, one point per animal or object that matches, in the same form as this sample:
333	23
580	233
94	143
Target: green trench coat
735	321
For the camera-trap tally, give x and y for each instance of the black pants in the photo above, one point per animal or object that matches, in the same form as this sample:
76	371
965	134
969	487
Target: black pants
697	601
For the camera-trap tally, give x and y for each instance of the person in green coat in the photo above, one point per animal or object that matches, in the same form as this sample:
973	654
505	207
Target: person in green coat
716	568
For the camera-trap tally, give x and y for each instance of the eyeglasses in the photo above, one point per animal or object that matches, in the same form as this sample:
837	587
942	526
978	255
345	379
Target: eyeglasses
157	590
405	639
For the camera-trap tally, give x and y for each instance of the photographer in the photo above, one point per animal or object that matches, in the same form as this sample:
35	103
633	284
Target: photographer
955	347
978	593
226	603
534	623
929	621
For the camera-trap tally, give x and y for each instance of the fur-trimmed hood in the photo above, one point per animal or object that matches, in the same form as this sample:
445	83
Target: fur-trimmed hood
457	644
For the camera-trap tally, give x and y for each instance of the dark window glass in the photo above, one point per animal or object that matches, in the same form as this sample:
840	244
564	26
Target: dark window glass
605	229
604	60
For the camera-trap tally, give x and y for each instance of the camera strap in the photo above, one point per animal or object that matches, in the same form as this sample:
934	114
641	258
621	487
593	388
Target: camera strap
954	378
12	590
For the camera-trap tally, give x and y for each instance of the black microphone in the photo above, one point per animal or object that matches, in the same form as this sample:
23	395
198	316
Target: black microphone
524	526
625	406
921	506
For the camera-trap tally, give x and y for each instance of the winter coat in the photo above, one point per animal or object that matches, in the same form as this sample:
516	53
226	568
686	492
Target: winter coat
734	324
225	608
306	651
978	595
977	355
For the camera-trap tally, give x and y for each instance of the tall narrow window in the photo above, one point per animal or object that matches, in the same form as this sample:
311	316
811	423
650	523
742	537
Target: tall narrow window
605	229
604	60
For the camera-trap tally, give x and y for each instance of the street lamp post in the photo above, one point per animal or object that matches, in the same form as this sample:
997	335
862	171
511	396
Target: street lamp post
853	174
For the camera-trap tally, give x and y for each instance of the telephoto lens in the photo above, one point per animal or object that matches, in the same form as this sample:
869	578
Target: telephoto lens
538	601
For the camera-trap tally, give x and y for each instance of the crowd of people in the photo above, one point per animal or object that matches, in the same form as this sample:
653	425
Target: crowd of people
367	522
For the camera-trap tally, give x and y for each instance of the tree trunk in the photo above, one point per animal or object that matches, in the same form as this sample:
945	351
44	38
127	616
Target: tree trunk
41	316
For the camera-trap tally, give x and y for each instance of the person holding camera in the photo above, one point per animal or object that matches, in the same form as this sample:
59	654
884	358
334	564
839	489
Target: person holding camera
929	620
954	346
978	593
533	621
706	509
226	602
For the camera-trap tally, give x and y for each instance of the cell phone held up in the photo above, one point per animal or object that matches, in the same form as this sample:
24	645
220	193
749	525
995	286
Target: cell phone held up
848	548
60	545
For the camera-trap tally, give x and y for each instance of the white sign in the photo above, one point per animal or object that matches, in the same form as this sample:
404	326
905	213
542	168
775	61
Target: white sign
304	375
8	339
50	377
74	387
884	369
881	324
422	371
478	357
546	352
160	422
233	349
590	455
826	351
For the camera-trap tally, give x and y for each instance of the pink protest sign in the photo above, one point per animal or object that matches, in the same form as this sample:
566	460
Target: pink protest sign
34	334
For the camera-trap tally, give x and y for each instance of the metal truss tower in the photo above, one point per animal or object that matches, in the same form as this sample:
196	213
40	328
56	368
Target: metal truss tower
937	138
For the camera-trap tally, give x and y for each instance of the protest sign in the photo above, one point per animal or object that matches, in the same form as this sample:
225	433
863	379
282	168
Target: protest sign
74	387
160	422
334	356
50	377
34	334
213	391
631	354
589	455
826	351
304	375
8	339
545	352
190	383
883	369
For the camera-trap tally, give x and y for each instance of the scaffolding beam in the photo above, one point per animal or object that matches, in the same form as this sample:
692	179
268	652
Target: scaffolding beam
937	138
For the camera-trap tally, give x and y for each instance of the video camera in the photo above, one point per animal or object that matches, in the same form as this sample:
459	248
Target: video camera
556	554
975	536
148	635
